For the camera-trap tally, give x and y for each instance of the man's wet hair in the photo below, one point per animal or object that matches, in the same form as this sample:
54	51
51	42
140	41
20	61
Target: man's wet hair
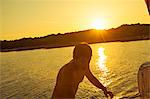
82	50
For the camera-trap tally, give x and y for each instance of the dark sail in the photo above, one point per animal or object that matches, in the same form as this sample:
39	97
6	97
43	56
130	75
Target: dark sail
148	5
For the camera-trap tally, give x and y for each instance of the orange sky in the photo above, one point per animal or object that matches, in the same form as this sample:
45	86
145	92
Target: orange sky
32	18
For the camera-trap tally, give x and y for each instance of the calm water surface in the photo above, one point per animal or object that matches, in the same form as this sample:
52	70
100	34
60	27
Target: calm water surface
32	74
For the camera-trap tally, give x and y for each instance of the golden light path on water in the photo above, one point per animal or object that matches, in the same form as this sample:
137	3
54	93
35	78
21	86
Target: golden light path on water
102	66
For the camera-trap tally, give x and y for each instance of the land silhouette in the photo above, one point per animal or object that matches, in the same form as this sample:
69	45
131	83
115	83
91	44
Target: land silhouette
123	33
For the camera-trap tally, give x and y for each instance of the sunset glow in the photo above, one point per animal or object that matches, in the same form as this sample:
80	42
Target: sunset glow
35	18
99	24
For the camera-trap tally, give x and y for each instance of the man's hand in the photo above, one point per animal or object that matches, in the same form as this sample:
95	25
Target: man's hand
108	93
95	82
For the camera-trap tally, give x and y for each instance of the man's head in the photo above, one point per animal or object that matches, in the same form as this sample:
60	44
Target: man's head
82	50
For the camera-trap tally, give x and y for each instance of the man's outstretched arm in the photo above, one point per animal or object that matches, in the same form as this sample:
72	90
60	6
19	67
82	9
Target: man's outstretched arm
96	83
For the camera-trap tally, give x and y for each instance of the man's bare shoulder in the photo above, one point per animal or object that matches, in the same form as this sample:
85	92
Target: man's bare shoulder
67	67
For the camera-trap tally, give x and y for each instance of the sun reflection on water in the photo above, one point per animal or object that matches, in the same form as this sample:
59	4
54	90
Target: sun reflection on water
102	60
102	66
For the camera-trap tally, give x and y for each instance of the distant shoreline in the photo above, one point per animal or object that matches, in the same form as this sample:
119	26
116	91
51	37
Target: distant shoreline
124	33
27	49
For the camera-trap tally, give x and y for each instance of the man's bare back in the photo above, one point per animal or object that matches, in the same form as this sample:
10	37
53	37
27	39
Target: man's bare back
68	80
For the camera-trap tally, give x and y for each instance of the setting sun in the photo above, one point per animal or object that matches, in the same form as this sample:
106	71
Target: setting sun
99	24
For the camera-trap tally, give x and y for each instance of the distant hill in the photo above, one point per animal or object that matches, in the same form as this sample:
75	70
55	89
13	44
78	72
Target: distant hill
123	33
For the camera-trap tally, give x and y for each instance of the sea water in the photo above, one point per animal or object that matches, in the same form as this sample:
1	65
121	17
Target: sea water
32	74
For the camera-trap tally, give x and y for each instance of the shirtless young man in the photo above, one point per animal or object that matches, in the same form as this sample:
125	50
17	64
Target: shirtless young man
71	74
